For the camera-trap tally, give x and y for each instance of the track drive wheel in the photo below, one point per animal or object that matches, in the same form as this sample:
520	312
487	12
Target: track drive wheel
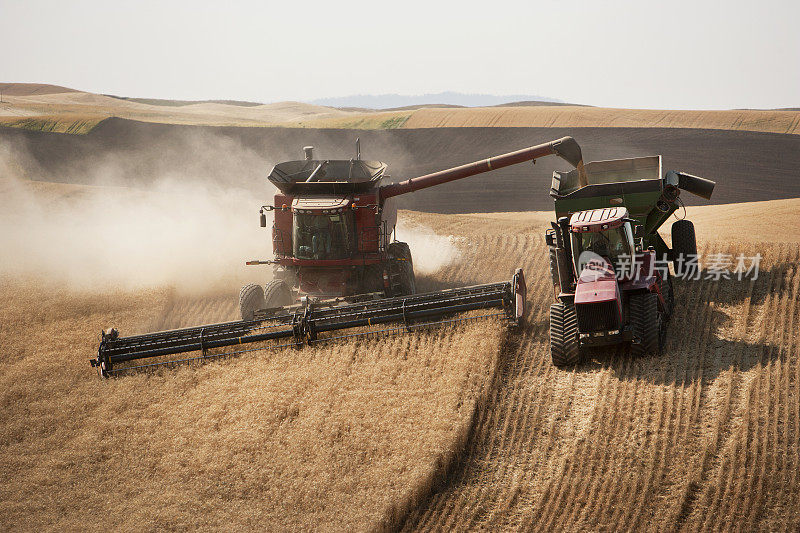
647	324
277	294
251	299
564	342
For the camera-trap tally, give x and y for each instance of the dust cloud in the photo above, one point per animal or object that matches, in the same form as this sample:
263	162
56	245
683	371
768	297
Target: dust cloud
431	251
180	212
179	231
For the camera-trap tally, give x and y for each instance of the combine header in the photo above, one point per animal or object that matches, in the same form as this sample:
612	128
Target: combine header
310	324
337	266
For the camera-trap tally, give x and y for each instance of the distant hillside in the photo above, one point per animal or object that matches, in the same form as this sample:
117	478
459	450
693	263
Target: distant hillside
27	89
537	103
58	109
179	103
394	101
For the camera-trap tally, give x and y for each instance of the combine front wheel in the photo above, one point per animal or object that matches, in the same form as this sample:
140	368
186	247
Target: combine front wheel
401	270
277	294
564	343
251	299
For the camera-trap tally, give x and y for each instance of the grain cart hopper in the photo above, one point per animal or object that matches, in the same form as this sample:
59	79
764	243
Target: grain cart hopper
337	266
603	250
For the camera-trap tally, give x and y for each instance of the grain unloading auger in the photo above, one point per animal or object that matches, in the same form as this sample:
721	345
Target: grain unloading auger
337	267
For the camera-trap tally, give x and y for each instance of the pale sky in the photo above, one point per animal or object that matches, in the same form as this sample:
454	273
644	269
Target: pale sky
673	54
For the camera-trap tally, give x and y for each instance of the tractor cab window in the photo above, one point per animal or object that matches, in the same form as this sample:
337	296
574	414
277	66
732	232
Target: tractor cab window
611	243
323	236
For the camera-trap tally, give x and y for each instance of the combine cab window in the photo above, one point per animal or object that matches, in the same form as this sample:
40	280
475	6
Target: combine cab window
613	243
326	236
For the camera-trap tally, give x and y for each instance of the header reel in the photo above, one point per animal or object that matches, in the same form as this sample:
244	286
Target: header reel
312	323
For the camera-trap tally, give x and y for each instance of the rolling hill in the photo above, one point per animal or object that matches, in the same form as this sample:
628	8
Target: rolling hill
52	108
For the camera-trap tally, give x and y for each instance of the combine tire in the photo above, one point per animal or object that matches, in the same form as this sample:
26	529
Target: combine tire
564	343
684	247
646	323
408	283
277	294
401	270
401	279
251	299
399	250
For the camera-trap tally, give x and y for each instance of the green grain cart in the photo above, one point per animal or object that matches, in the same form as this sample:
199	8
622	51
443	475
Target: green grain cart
609	213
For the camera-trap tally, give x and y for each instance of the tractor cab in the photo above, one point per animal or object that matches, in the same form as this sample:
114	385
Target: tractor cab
606	233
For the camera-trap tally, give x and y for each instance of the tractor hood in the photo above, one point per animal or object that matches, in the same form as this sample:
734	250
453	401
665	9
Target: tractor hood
597	283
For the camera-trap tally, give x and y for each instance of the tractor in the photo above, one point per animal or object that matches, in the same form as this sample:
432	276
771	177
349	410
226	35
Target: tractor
334	228
608	263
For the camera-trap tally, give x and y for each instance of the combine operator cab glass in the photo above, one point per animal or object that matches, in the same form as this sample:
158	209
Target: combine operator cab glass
614	243
325	236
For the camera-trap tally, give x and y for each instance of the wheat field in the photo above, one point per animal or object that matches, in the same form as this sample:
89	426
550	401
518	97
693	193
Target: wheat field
468	427
705	437
773	121
336	437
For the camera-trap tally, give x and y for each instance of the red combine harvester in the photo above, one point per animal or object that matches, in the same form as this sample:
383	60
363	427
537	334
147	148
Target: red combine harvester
337	266
334	235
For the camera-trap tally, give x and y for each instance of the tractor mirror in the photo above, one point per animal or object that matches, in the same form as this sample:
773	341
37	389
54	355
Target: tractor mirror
638	231
263	220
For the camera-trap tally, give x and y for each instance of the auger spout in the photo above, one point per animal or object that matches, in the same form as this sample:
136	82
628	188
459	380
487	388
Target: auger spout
566	148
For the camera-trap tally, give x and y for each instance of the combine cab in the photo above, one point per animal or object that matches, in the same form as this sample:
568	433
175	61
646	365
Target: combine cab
611	283
337	266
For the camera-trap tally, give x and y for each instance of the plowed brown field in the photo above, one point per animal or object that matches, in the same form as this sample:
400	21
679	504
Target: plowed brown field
464	428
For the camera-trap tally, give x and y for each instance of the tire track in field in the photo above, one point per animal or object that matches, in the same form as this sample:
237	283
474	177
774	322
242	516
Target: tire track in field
689	439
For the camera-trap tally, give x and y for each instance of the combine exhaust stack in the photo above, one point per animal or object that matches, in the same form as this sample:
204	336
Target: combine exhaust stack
310	324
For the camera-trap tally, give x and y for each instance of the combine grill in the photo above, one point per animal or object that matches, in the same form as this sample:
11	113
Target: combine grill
313	323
